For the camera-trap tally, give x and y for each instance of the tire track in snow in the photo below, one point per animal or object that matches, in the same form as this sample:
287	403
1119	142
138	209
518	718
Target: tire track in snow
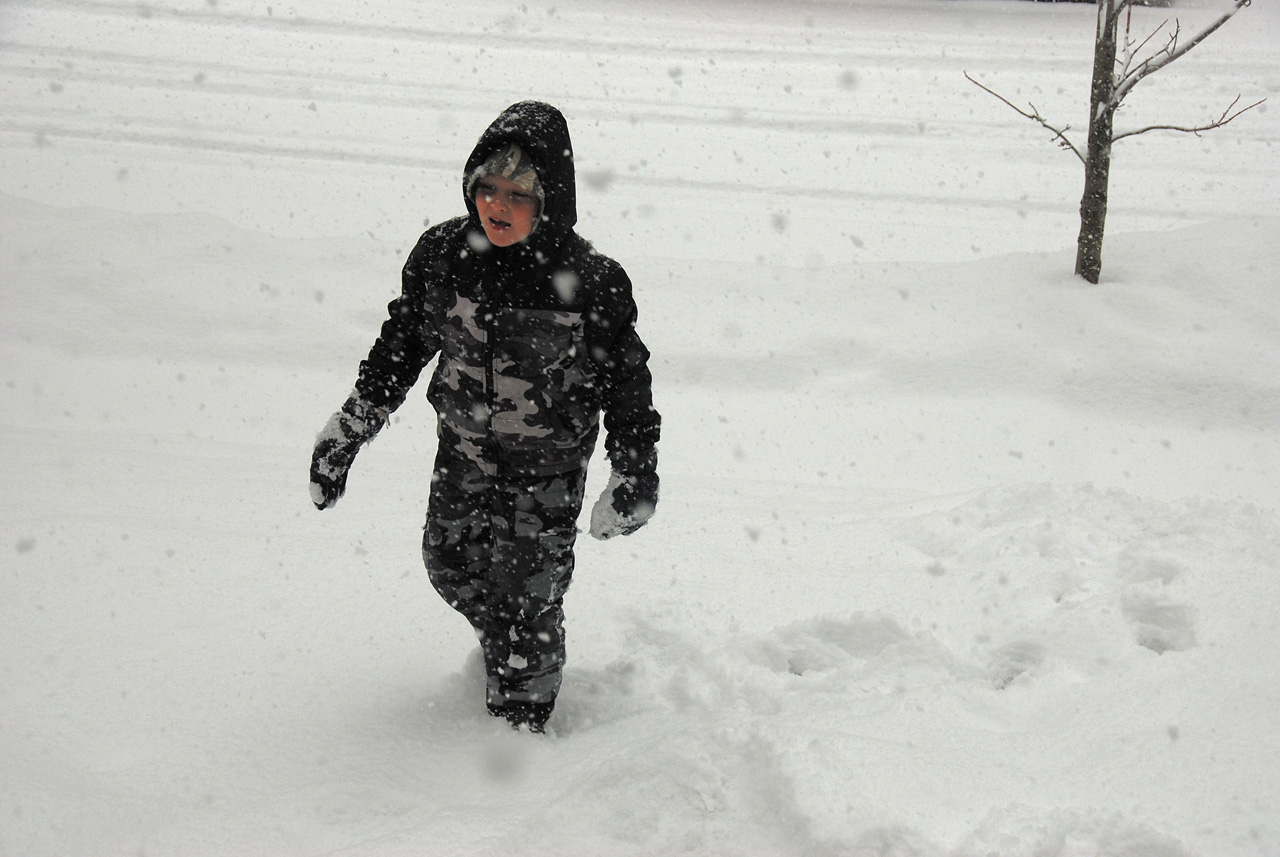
722	38
160	138
45	134
139	71
114	68
267	83
661	107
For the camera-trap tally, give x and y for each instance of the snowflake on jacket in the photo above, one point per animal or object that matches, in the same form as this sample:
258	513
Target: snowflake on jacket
530	354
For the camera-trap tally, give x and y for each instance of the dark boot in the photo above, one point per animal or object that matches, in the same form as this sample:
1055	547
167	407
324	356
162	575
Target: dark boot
531	715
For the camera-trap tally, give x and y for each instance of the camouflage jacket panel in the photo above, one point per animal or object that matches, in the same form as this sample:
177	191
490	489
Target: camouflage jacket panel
518	378
524	373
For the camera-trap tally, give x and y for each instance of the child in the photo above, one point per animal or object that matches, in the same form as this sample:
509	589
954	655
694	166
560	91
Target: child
536	338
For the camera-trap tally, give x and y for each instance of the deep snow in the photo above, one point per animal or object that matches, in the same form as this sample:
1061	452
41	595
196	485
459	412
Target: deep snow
956	554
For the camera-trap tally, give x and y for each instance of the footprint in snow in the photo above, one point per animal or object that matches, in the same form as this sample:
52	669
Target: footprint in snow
1159	622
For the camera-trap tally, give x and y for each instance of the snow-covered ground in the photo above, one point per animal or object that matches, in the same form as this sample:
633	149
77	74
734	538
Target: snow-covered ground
956	555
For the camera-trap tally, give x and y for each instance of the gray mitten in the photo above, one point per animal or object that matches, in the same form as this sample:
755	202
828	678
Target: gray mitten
336	447
625	505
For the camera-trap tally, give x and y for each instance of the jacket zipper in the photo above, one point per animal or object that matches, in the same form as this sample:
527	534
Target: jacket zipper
487	318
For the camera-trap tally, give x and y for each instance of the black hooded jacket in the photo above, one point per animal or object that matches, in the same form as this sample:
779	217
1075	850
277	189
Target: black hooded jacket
535	340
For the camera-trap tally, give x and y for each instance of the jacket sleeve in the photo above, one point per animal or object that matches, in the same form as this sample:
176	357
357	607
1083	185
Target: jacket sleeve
632	423
409	337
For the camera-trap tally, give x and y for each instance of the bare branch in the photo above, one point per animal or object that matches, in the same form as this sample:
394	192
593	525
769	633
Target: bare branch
1170	53
1034	115
1127	78
1131	50
1154	32
1226	117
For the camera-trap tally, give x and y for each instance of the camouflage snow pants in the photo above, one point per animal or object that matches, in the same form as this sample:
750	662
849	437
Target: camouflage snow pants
500	552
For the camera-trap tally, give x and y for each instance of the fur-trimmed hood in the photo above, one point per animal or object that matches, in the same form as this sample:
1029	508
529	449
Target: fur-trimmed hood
541	132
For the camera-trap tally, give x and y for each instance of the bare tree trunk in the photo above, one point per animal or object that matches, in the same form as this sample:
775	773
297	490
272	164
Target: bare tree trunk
1110	87
1097	165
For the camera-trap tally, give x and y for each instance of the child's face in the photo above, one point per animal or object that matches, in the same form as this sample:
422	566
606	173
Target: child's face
506	210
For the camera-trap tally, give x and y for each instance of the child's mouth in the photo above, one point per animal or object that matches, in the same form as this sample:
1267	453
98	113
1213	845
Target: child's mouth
499	224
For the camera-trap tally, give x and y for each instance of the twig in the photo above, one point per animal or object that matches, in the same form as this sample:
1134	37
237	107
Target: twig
1034	116
1131	50
1218	123
1170	53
